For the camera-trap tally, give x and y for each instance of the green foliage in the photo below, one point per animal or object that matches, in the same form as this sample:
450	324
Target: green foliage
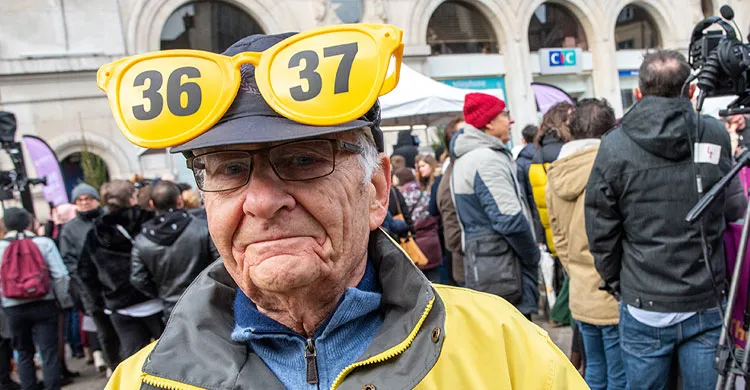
440	132
94	168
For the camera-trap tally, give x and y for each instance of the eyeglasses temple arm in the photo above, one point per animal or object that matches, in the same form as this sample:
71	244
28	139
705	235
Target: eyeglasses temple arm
105	74
392	80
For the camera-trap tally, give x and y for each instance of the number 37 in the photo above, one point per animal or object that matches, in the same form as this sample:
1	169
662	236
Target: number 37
314	82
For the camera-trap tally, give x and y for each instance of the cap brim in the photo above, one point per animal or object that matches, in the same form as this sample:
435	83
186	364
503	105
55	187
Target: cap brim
258	129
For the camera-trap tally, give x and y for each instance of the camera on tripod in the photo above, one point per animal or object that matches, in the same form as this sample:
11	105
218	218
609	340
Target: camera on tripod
722	60
722	63
16	179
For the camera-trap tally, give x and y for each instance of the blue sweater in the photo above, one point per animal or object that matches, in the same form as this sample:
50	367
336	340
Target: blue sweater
339	341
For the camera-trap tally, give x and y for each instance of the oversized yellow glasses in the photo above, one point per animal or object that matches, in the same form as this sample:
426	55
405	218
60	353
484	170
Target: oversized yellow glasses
323	77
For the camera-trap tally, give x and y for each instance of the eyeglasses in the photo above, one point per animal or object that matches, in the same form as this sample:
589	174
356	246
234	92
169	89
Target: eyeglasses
291	161
82	199
322	77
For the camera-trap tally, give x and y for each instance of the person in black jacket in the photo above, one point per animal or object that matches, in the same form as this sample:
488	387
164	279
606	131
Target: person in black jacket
105	345
523	162
171	250
406	146
552	134
104	269
642	185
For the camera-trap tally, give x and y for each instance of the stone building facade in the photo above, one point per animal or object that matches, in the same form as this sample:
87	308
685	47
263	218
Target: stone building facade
50	51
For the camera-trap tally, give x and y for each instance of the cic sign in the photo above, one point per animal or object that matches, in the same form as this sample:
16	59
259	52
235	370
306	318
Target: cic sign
560	61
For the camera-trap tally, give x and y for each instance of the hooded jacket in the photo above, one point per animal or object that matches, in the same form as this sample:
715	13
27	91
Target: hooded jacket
641	187
72	237
406	148
432	337
489	203
168	254
105	262
566	186
549	148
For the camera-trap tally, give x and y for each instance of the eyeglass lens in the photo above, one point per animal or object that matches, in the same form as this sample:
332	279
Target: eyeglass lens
295	161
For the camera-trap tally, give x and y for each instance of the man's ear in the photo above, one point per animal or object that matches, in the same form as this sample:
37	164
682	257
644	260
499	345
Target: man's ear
638	94
691	91
381	188
180	203
151	204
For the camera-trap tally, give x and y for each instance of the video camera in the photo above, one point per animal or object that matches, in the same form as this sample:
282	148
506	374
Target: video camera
722	60
16	179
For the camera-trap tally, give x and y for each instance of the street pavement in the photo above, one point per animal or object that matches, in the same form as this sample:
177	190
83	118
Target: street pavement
90	379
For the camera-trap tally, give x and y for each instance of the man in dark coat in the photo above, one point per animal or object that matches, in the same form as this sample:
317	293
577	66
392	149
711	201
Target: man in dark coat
642	185
171	250
406	146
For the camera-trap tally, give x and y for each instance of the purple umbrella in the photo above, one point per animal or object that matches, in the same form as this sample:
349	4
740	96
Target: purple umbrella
548	95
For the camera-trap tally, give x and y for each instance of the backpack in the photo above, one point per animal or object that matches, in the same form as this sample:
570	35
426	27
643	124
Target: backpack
24	273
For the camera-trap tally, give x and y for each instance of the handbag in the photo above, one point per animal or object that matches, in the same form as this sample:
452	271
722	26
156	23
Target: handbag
409	244
491	266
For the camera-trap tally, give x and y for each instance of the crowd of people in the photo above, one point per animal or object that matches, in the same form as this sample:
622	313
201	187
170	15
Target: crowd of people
309	295
119	258
604	198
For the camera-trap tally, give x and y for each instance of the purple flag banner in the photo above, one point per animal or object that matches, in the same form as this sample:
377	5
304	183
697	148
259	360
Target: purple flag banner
46	165
731	245
548	95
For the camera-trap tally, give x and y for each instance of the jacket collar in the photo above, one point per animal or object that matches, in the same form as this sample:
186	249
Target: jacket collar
200	326
470	138
14	234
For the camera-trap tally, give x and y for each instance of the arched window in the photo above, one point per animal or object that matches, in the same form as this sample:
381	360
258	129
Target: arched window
458	28
553	25
84	166
636	29
207	25
707	6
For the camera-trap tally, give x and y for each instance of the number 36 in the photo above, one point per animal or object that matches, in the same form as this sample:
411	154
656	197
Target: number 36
175	89
314	82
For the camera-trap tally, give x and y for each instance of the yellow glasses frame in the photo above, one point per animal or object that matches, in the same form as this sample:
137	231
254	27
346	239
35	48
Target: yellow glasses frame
213	80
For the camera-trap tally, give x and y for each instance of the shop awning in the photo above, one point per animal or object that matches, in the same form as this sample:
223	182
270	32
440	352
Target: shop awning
417	95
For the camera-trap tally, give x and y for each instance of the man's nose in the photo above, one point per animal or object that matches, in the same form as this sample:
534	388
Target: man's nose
265	193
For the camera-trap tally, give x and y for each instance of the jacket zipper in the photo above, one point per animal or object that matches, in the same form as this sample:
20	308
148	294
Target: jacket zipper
389	353
312	364
310	357
167	384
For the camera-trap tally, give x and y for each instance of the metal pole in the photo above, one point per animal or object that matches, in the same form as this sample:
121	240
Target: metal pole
739	262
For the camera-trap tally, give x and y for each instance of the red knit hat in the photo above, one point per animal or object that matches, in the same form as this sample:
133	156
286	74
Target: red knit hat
481	108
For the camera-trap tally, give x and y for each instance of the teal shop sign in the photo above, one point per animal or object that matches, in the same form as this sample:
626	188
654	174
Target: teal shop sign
478	83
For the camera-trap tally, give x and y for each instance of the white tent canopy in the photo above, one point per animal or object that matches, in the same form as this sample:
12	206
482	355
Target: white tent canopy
417	94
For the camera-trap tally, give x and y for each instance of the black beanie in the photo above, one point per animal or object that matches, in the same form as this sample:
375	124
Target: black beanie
16	218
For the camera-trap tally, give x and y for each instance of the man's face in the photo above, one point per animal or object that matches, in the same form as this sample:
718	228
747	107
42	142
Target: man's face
86	203
288	237
500	127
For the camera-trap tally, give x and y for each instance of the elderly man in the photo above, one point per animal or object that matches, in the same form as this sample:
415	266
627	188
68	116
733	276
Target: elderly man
309	292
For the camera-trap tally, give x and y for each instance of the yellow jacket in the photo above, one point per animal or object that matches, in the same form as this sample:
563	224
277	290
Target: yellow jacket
565	198
538	180
432	337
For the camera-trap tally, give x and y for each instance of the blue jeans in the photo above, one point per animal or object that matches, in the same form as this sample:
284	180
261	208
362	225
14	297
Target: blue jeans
73	331
604	367
647	351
